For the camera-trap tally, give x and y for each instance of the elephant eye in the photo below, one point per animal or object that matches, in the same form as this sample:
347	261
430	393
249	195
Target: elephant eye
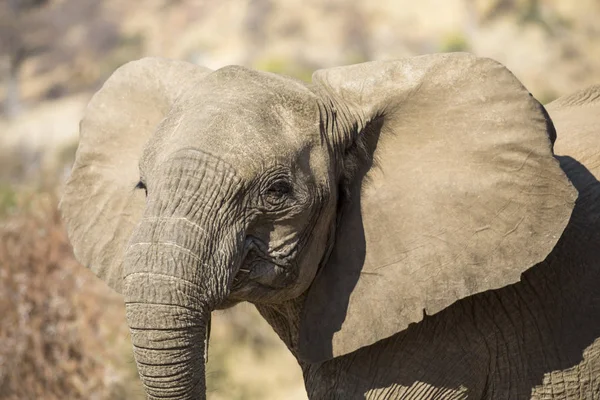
142	185
278	192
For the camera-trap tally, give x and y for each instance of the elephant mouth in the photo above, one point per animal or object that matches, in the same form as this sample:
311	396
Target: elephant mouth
269	268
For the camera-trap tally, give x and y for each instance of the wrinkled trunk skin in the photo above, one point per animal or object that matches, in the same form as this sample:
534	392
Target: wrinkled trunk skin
169	352
173	277
177	269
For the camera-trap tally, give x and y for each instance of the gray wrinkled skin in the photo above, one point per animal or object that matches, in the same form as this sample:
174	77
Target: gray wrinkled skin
404	226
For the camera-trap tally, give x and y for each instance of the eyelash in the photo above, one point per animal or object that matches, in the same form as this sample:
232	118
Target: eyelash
279	189
142	185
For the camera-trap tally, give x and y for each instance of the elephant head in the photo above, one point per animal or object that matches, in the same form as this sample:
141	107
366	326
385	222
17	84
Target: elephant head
377	193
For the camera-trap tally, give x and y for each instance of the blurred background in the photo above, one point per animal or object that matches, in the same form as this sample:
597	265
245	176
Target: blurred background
62	332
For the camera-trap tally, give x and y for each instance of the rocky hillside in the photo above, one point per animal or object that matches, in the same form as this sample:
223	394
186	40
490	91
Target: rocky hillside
551	45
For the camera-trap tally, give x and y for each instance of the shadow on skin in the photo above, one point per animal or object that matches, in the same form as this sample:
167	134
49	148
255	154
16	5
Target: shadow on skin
349	231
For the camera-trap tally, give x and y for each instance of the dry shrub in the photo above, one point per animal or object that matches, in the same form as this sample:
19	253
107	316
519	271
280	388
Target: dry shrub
58	323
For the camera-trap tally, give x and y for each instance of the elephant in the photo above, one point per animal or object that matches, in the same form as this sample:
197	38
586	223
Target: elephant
411	229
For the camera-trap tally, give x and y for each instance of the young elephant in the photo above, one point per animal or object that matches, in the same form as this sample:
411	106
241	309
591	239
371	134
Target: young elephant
403	225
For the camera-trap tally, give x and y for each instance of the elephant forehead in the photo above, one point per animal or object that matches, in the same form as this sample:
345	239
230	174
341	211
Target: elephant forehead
248	129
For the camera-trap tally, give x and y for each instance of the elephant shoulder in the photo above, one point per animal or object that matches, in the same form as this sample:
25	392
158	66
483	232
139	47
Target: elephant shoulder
582	98
576	118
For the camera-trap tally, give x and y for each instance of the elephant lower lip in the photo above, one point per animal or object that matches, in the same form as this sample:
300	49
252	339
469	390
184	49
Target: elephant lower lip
259	267
260	272
271	280
260	250
252	291
270	274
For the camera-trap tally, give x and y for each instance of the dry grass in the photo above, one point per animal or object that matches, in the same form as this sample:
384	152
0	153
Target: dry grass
59	325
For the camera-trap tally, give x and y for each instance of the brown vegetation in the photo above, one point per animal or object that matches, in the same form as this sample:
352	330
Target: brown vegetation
60	327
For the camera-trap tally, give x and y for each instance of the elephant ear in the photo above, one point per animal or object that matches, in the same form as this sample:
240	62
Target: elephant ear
100	206
453	191
577	120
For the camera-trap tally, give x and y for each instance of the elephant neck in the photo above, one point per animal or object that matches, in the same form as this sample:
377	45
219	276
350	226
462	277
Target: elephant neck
284	318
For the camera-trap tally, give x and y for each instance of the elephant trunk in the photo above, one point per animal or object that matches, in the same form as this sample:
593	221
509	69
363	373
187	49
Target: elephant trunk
170	350
173	279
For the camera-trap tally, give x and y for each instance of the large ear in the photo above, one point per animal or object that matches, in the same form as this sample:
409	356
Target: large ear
577	121
99	204
456	192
